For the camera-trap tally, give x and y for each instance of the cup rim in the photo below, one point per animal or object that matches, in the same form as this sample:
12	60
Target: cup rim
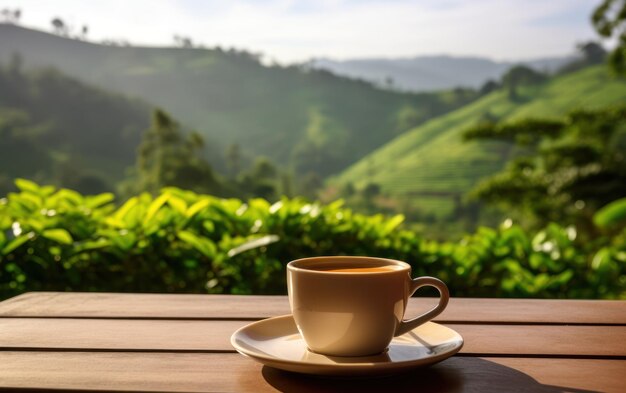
296	265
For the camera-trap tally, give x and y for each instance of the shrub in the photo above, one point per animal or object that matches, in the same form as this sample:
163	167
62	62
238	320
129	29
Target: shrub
179	241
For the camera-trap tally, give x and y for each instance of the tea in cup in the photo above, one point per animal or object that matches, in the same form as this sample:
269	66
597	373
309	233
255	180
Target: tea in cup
354	306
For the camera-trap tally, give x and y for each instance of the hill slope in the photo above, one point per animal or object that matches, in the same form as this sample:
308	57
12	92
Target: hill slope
430	165
428	73
312	119
58	130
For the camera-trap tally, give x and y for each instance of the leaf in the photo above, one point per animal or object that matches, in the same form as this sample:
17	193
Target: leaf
155	206
47	190
34	201
392	224
122	211
178	204
18	241
69	196
59	235
27	186
336	204
93	245
563	278
276	207
124	239
611	214
99	200
601	261
208	226
196	207
256	243
205	246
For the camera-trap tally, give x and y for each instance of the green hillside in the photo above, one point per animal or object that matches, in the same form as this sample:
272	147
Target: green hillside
59	130
310	119
430	165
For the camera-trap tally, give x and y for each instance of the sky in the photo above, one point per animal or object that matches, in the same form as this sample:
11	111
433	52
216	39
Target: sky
293	31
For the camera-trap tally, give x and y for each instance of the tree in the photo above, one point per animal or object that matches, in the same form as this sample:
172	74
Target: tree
407	117
286	185
564	171
260	181
11	16
182	41
518	76
167	157
488	87
609	20
83	31
16	64
371	190
592	53
233	158
369	194
310	184
59	26
389	83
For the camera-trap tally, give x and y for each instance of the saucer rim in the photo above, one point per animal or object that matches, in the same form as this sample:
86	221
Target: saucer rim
331	368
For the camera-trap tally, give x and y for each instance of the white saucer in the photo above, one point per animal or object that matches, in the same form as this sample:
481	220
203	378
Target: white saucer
276	342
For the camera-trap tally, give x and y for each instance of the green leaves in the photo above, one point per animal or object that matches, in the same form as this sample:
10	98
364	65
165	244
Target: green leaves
181	241
27	186
392	224
205	246
15	243
155	206
252	244
612	214
59	235
99	200
560	171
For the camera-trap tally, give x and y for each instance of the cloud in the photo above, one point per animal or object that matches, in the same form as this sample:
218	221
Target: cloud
291	30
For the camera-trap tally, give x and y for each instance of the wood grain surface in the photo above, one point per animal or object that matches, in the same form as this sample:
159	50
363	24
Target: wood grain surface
234	373
182	306
158	342
212	336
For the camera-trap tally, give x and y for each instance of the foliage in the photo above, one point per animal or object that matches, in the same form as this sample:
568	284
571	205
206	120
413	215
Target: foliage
519	76
57	129
167	157
428	166
179	241
564	170
609	20
592	53
612	214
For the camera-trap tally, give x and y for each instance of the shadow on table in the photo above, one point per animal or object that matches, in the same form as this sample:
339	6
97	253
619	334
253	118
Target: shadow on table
457	374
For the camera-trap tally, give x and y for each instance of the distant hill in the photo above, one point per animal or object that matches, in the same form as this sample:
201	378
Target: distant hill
56	129
429	73
311	119
430	165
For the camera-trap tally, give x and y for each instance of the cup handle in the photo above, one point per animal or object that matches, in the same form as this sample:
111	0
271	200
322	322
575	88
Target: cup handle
408	325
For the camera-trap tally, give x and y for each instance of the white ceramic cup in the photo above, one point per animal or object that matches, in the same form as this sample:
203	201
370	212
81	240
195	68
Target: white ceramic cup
355	313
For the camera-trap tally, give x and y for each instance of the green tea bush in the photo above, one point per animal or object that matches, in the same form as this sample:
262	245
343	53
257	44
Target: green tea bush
57	239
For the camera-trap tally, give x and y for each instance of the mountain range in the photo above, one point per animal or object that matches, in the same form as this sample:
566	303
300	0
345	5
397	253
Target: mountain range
303	119
90	112
430	73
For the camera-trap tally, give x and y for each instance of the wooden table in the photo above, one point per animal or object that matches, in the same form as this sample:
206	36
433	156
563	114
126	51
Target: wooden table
154	342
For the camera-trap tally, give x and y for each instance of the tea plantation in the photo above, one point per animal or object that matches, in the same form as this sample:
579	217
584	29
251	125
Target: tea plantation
179	241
